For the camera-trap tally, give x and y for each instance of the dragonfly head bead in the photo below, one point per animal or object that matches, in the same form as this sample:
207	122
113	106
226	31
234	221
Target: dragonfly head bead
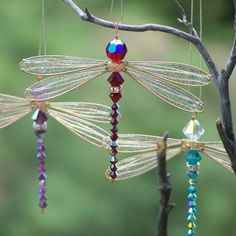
116	50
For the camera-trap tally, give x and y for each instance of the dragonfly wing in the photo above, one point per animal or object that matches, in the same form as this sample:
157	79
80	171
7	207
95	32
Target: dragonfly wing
80	127
140	164
216	152
62	83
56	64
173	72
12	109
129	143
89	111
170	93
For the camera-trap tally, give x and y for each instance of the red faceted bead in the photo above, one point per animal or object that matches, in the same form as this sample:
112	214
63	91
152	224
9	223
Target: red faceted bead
114	114
113	175
113	167
116	50
115	97
115	79
114	137
114	121
114	129
114	106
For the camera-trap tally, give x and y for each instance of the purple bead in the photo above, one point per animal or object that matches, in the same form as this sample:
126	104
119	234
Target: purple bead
39	117
115	79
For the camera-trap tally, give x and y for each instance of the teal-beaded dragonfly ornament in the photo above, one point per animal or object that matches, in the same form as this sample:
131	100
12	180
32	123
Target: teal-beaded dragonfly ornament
147	160
160	78
75	116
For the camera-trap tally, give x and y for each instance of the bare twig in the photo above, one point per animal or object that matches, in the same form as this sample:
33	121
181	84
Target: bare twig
165	188
221	80
229	145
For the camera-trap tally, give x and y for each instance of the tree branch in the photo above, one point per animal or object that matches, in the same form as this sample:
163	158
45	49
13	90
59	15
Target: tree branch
87	16
165	188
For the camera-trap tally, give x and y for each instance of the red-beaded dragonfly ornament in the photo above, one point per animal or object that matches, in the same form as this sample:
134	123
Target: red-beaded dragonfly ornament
75	116
160	78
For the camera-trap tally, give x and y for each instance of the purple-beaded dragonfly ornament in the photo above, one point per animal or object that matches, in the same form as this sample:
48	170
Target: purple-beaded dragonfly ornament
160	78
147	159
75	116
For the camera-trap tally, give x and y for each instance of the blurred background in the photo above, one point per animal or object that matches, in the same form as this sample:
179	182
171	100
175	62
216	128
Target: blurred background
81	201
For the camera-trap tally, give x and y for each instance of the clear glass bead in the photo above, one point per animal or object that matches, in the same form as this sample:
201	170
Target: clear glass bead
193	130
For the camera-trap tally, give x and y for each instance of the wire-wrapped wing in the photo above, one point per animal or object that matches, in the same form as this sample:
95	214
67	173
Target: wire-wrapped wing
216	151
80	127
170	93
56	64
62	83
140	164
89	111
139	143
12	109
173	72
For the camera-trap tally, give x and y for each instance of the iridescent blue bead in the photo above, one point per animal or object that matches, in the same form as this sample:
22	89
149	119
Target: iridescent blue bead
192	189
193	157
193	174
114	144
192	218
192	204
192	196
112	159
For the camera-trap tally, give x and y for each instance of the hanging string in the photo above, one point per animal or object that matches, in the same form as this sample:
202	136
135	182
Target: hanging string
200	35
120	18
42	37
190	44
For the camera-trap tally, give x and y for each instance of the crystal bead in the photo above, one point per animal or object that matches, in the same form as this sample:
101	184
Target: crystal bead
114	137
192	196
116	89
193	157
114	114
192	189
191	225
192	181
115	79
191	232
192	210
113	167
193	130
192	218
115	97
192	204
113	159
114	129
116	50
113	175
114	121
115	106
39	117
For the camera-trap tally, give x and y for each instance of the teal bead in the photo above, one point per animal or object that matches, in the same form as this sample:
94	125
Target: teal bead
192	189
192	218
192	210
192	196
192	204
193	157
193	174
191	232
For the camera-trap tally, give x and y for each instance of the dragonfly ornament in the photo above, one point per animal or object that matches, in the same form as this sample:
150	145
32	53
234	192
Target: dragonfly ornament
75	116
147	147
163	79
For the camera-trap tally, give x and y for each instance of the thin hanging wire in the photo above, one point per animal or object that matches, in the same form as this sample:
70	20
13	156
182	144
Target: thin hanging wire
120	18
190	44
201	24
42	37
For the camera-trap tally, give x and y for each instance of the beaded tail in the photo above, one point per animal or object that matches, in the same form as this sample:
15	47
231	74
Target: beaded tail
193	166
40	127
115	81
193	131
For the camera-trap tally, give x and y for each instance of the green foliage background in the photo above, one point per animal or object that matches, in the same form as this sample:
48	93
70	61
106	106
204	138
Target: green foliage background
81	200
